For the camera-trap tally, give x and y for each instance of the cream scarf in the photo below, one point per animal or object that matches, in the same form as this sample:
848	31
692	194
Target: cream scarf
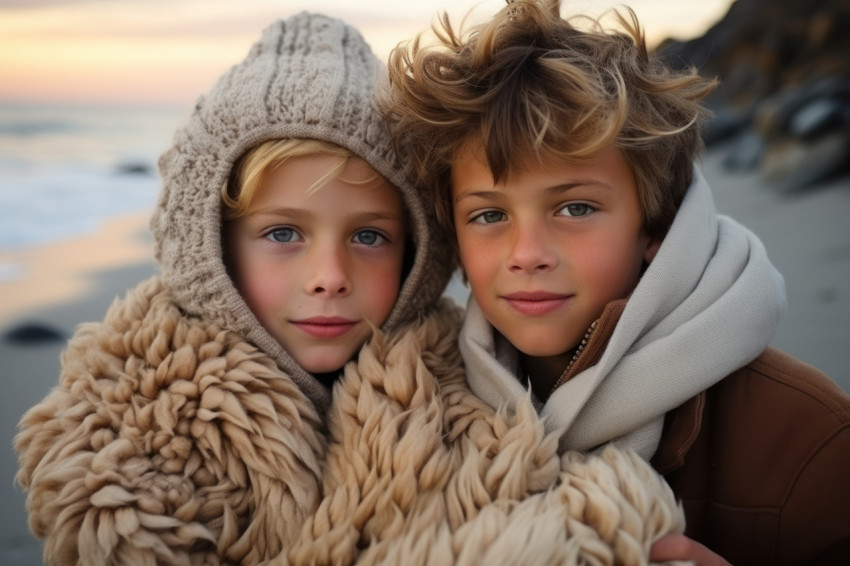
709	304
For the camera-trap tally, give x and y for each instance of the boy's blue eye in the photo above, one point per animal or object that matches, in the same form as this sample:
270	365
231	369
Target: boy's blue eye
576	209
489	217
282	235
368	238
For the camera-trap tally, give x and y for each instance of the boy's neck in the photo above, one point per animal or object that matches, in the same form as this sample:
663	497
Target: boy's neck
543	372
328	379
547	373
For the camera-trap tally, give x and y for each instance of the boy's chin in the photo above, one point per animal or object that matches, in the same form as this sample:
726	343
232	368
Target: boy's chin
541	347
324	364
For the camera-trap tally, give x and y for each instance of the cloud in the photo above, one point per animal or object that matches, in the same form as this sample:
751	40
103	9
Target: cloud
24	4
138	48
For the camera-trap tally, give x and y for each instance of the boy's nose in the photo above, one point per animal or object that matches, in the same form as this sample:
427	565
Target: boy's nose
531	251
329	275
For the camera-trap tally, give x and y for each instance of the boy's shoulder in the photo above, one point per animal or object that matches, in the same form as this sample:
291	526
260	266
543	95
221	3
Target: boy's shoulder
782	409
787	381
776	417
756	453
776	398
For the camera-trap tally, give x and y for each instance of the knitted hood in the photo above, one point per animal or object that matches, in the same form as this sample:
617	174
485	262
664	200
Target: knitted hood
308	77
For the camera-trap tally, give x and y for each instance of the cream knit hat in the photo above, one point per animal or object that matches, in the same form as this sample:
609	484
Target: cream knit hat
308	77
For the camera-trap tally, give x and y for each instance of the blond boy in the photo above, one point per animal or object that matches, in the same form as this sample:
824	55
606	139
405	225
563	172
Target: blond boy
188	427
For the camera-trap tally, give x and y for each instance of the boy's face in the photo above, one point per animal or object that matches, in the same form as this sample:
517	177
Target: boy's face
315	268
546	249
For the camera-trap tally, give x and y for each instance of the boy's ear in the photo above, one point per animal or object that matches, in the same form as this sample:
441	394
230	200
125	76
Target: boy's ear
651	249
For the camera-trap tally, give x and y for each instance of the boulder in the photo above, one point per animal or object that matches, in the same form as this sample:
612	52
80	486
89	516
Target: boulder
792	164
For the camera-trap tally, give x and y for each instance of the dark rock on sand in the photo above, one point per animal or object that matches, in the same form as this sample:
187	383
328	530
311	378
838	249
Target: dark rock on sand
818	117
33	333
793	164
726	124
135	169
745	152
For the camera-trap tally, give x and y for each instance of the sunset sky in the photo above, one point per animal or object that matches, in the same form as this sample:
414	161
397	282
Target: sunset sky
166	52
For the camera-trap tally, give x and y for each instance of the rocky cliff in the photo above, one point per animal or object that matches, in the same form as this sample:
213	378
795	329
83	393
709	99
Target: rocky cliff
783	104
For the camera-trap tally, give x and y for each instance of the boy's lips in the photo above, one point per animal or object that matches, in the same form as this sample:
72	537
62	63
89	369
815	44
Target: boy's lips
325	326
535	303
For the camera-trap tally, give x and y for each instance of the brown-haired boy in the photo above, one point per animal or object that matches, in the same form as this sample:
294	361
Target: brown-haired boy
562	159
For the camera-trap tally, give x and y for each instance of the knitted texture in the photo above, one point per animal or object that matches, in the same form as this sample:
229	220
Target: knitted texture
308	77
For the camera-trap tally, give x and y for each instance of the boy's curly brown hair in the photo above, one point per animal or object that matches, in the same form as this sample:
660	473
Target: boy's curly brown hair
531	84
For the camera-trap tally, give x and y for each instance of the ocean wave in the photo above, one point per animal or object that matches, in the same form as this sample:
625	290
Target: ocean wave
66	170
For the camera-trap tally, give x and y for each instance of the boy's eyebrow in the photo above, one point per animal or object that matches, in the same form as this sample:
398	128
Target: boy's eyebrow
297	213
485	194
563	187
279	211
382	215
492	194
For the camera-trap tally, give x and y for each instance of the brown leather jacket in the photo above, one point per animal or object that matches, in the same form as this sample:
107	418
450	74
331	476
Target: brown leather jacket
760	461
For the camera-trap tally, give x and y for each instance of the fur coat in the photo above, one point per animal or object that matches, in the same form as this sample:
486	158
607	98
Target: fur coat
172	441
421	471
182	432
168	441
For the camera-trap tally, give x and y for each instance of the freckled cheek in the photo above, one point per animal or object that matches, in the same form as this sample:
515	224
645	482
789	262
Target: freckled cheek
613	272
268	294
379	287
479	257
265	283
465	239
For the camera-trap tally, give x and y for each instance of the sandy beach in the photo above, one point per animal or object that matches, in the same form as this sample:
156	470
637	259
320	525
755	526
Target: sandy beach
62	285
58	287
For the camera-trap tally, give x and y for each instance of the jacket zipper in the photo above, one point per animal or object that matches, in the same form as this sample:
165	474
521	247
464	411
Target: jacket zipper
566	374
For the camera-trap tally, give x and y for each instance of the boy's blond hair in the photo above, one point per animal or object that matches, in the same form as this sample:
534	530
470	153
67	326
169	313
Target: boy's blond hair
530	84
249	170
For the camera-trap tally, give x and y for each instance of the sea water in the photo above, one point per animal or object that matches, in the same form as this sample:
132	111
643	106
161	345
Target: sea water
64	170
